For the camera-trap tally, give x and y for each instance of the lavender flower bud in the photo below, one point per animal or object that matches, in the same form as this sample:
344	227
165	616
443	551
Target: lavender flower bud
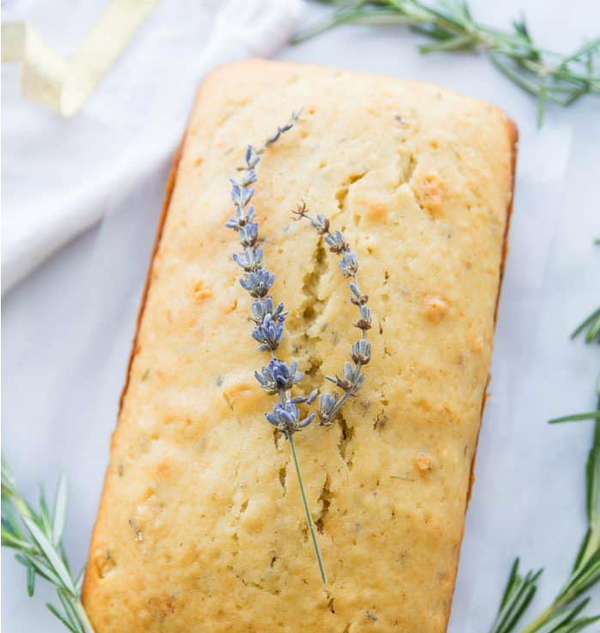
269	334
262	307
342	383
238	222
277	376
327	407
358	298
336	242
361	352
248	178
321	224
352	378
252	157
349	264
250	260
351	372
248	234
243	216
240	195
257	283
306	399
364	323
286	418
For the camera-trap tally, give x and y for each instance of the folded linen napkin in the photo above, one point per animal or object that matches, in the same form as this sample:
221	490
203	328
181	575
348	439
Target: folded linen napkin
59	175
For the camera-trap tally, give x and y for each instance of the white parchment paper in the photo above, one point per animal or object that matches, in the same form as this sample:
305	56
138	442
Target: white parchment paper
67	331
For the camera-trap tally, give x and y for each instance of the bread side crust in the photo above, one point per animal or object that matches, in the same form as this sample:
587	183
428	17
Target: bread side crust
513	135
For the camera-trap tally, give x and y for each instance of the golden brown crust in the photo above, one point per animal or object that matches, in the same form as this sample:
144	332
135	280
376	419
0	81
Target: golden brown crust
433	194
513	135
161	223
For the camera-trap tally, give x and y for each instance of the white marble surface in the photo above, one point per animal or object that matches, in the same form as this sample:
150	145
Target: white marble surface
67	331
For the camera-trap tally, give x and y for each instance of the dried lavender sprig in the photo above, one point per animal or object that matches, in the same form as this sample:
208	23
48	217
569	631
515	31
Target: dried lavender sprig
352	378
277	377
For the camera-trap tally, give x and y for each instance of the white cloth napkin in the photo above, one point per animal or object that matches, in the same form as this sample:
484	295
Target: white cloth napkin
59	176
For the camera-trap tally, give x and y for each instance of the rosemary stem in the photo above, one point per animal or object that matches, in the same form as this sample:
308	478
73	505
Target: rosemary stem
309	521
541	619
593	544
83	617
21	505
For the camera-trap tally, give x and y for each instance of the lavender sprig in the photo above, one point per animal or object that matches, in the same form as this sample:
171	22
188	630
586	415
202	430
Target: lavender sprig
352	378
276	378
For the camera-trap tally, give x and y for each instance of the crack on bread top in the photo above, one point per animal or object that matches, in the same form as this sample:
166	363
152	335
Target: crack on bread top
342	193
324	502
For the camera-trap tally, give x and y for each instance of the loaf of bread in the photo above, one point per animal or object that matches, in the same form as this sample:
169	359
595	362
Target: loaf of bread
201	527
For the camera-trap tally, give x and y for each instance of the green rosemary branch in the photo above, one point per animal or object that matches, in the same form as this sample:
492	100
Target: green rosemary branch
37	539
547	75
562	616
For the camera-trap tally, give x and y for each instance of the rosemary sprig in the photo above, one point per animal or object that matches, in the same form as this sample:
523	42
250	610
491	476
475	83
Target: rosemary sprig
36	536
547	75
562	615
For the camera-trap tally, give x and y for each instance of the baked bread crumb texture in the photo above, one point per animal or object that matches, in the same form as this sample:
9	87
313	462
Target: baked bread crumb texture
200	527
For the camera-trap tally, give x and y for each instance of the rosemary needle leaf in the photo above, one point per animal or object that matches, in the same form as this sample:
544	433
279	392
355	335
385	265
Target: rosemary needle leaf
79	580
59	615
513	579
30	580
593	323
569	614
41	568
60	509
584	577
10	540
46	523
593	478
582	548
576	417
50	553
579	625
69	610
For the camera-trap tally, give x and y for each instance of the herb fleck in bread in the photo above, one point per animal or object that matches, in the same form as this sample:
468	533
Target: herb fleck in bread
200	525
